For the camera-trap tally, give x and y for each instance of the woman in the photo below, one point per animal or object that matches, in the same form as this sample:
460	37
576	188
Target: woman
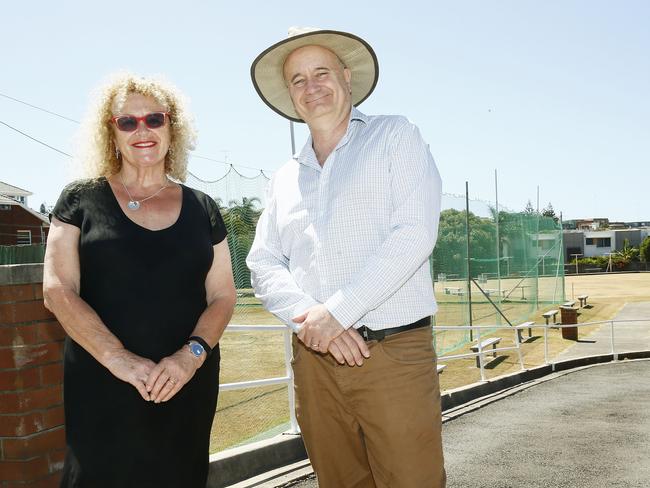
137	270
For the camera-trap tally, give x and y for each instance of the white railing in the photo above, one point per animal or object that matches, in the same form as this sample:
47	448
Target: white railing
287	379
517	345
287	333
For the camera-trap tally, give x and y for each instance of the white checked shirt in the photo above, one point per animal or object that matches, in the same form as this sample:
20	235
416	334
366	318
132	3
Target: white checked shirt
355	234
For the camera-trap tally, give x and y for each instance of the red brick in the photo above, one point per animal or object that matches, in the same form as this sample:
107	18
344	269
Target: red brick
16	293
56	459
29	470
34	445
38	290
13	313
19	425
52	374
33	355
20	379
50	331
50	481
53	417
12	335
29	400
25	424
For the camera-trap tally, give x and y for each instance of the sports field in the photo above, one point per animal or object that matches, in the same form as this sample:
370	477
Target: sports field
243	415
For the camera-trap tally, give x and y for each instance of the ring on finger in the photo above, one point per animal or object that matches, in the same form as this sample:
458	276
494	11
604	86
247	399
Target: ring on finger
173	381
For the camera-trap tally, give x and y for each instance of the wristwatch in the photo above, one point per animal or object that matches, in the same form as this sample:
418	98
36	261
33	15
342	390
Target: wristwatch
198	346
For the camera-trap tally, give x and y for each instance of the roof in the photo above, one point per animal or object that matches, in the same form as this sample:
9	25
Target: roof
7	189
10	201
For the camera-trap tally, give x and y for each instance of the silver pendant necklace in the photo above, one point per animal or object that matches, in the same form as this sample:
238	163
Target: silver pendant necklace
135	204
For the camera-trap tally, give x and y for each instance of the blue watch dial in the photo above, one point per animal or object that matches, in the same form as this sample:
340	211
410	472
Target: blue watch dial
196	348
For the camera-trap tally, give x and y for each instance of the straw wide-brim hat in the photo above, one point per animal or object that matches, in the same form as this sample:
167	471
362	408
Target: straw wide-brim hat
354	52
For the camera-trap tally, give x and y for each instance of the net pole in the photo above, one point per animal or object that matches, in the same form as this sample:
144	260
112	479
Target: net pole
469	266
496	202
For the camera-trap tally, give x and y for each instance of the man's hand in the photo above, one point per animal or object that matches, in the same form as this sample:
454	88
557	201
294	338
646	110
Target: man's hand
319	328
350	348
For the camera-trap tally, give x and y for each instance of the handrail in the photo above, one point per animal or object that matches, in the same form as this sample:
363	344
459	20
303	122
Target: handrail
286	379
288	333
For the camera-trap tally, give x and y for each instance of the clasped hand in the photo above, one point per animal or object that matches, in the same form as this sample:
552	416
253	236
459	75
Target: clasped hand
155	382
321	332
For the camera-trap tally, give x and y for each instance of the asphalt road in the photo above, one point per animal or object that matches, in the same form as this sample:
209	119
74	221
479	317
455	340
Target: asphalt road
587	428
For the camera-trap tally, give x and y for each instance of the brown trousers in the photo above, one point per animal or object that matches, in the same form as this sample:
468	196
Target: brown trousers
374	426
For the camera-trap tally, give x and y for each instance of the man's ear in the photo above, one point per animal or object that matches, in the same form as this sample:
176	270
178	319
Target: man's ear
348	78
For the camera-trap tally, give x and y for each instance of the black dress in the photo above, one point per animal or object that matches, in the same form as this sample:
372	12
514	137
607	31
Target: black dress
148	287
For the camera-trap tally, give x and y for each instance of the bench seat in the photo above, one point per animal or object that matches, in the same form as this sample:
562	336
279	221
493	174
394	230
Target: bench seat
485	343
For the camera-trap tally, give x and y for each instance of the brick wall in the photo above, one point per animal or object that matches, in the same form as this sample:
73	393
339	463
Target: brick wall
32	435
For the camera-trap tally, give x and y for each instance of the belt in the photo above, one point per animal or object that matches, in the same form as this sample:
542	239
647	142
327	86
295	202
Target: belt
378	335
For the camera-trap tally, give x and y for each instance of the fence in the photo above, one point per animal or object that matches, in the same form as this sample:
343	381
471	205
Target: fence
479	330
22	254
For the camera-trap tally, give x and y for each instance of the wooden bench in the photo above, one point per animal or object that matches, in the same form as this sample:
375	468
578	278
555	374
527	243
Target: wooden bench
441	368
570	303
449	290
492	341
530	330
549	314
583	300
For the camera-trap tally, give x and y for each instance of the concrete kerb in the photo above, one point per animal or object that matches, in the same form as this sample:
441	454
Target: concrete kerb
455	403
242	463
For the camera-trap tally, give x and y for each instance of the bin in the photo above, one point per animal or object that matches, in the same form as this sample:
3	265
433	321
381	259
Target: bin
569	315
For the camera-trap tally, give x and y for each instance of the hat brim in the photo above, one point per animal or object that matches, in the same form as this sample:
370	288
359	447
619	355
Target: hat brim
357	55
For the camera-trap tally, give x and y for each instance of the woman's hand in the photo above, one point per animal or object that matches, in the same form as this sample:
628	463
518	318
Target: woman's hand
171	374
132	369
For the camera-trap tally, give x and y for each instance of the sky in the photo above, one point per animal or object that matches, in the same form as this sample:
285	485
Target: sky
553	95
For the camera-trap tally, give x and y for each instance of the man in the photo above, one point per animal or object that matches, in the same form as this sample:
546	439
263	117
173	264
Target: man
341	255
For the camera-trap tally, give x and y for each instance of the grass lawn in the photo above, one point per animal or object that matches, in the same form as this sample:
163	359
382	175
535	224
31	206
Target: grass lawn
243	415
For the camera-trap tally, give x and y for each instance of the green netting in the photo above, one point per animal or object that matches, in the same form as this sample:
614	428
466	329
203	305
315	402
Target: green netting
497	285
500	284
22	254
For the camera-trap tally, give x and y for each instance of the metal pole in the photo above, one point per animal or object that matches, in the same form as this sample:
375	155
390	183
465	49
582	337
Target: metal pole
288	354
496	201
469	267
546	344
293	138
611	326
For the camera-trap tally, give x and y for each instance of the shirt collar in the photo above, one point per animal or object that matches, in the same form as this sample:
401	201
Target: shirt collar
307	156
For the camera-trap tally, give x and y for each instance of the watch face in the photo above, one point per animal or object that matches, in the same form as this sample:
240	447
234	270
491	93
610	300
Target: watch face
196	348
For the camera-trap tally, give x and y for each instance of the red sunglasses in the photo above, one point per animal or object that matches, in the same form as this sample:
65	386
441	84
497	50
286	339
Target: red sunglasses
129	123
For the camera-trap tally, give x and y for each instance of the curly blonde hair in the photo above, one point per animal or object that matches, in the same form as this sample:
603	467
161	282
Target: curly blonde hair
98	156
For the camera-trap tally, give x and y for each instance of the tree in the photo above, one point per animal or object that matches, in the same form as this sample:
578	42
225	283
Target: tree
529	208
549	211
644	253
43	210
241	220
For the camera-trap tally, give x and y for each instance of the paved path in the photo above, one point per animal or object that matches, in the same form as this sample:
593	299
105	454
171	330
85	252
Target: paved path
588	428
630	336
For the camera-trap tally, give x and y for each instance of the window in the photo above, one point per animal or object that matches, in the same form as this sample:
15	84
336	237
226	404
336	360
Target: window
598	241
5	207
23	237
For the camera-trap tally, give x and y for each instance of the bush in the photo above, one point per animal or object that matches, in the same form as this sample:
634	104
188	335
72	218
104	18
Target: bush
644	251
